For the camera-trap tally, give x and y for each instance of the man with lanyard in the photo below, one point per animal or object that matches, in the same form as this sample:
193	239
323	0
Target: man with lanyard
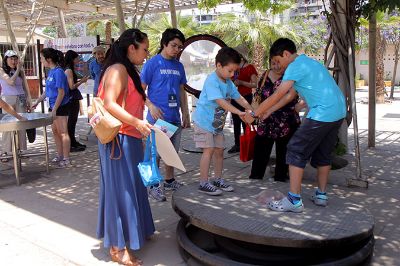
164	78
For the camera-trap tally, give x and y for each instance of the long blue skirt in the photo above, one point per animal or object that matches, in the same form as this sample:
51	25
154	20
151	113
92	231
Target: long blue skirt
125	217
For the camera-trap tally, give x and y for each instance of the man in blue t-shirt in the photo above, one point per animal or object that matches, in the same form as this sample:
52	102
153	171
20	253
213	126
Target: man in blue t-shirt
164	78
95	67
316	137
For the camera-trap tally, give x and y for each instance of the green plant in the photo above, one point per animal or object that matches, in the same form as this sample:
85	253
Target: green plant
340	149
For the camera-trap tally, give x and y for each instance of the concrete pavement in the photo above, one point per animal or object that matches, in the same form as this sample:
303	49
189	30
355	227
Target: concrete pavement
51	219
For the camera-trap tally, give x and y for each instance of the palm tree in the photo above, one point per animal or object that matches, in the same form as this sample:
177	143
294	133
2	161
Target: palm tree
155	25
257	34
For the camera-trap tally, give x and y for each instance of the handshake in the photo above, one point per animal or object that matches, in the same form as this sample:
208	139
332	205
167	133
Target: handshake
249	116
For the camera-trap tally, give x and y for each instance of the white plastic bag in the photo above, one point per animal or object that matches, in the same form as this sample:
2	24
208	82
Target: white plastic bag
268	195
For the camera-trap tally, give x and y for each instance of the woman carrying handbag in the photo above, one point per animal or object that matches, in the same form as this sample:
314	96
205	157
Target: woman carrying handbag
125	220
274	127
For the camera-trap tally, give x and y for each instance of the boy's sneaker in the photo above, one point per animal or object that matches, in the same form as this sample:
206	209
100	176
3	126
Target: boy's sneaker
220	183
172	186
284	205
210	189
157	194
320	199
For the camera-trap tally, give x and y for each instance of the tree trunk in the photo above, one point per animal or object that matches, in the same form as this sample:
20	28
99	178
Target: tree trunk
342	33
108	32
120	16
396	61
372	80
258	57
380	67
172	11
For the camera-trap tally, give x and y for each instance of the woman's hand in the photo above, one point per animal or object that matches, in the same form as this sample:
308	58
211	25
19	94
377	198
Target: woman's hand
155	112
238	82
144	127
54	113
33	106
84	79
21	118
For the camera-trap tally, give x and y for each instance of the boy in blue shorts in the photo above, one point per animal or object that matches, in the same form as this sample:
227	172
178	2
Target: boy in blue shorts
316	137
210	115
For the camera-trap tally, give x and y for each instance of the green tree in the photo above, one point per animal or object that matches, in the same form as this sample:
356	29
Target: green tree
50	31
257	34
155	25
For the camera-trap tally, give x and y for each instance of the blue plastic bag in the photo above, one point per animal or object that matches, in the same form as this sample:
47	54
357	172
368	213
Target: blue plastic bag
148	169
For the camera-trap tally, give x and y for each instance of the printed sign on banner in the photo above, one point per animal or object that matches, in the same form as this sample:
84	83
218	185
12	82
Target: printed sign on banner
78	44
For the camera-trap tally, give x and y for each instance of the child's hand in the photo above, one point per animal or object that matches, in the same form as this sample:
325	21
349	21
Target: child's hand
300	106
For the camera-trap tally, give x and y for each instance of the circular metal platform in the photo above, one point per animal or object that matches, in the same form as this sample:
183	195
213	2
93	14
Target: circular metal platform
236	217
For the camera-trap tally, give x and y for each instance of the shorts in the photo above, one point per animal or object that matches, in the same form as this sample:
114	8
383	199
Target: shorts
204	139
313	140
62	110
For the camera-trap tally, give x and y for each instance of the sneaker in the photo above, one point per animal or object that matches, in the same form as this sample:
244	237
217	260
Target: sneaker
220	183
64	164
57	159
172	186
210	189
320	200
157	194
284	205
234	149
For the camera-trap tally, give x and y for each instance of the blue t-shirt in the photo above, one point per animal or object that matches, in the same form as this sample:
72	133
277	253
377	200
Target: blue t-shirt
95	71
209	115
56	79
314	83
164	78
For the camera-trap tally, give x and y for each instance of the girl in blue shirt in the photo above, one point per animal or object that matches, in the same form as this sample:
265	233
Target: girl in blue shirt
57	90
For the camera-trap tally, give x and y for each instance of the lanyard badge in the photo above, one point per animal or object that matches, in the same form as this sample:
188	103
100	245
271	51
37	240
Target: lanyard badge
172	100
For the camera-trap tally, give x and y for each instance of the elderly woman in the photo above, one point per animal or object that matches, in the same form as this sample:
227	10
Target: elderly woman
14	93
275	127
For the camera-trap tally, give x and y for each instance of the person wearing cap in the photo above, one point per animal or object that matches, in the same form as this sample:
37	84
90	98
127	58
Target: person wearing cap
246	80
13	93
95	67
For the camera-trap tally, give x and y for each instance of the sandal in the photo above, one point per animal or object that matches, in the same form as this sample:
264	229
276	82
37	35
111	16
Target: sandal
284	205
123	257
4	160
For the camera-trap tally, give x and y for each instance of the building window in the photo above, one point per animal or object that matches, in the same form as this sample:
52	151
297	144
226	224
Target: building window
30	61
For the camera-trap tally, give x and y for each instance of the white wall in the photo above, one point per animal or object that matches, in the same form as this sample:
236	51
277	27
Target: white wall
363	69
